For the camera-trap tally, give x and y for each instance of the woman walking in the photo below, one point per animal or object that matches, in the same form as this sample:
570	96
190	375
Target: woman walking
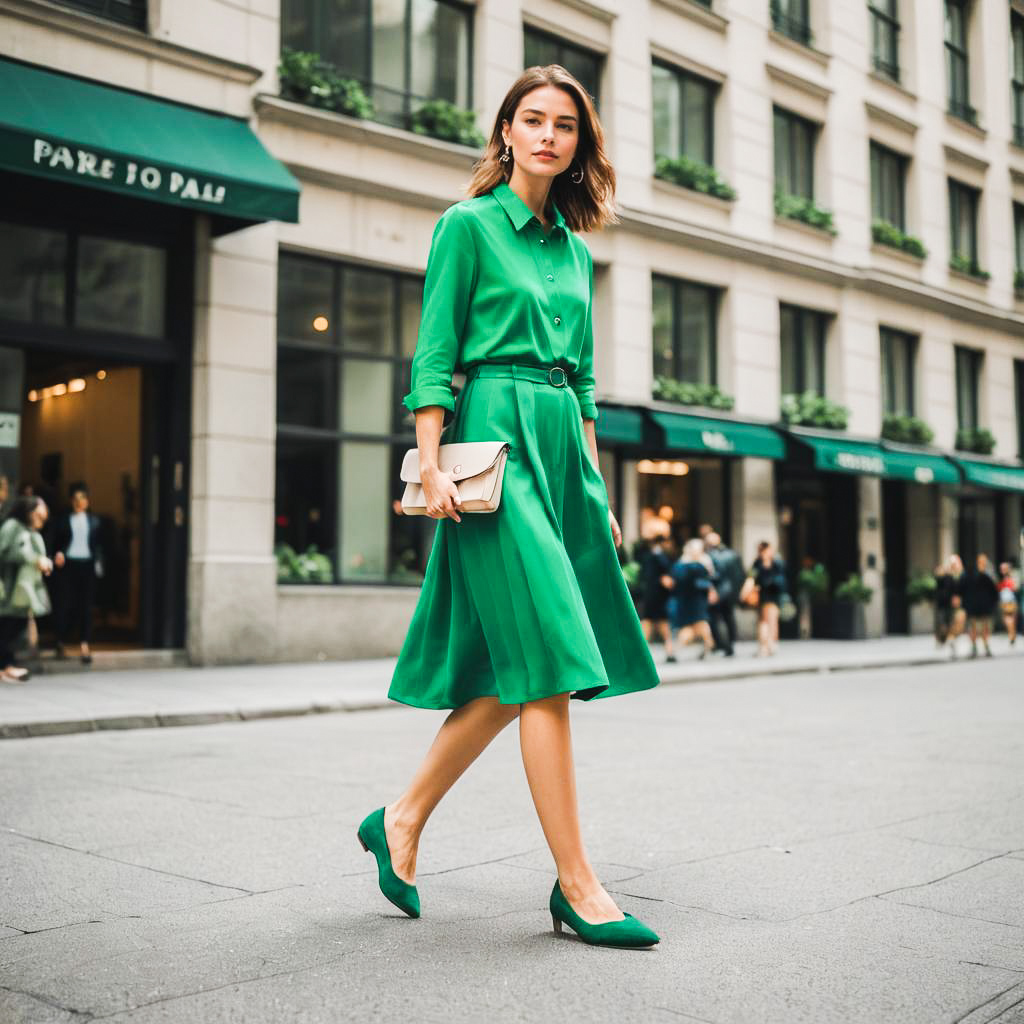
524	607
692	579
1009	606
981	595
768	578
657	564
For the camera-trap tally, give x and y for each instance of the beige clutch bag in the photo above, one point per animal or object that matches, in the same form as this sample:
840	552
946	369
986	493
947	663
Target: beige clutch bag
477	467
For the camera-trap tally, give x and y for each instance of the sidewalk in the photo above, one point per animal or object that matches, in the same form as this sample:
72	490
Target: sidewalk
48	705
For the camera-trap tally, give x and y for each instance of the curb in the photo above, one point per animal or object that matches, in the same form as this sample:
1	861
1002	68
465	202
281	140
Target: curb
679	676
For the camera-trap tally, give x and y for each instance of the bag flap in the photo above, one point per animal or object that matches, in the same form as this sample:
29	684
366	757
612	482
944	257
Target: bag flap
466	458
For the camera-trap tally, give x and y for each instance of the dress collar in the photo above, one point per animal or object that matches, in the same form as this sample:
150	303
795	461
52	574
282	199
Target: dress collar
518	212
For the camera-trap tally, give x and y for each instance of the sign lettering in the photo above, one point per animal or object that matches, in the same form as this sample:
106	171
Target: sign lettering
861	463
716	440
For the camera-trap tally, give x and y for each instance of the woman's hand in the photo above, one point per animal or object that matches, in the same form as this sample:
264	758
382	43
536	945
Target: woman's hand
58	559
441	494
616	532
44	565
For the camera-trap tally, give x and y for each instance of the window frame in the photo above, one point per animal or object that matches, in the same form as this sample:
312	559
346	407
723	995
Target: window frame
1018	236
133	13
795	125
1017	75
566	44
794	26
882	22
1018	381
889	339
958	54
879	153
712	296
960	192
972	361
811	327
711	89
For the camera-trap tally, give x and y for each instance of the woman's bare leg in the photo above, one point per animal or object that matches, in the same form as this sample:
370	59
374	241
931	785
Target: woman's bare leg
462	738
666	635
546	744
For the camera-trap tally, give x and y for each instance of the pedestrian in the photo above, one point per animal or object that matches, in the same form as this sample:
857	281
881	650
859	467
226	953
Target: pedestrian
78	557
692	579
1009	605
766	579
729	576
523	608
23	563
656	565
980	597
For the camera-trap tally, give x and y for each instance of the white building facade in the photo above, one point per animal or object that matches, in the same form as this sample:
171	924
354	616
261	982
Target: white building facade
816	199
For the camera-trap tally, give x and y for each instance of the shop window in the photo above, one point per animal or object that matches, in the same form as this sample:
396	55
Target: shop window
1017	75
958	89
898	357
33	274
968	386
888	186
119	287
794	154
402	52
346	336
685	334
684	108
885	37
542	48
792	18
802	341
1018	384
1018	245
125	12
963	226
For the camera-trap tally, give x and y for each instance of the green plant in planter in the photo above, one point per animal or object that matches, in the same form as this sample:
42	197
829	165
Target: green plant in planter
809	409
441	119
681	170
978	440
853	590
804	210
812	583
312	566
1018	280
964	265
687	392
907	430
888	234
305	78
921	588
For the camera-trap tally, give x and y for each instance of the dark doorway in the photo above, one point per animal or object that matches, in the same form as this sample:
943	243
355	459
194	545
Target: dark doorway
894	538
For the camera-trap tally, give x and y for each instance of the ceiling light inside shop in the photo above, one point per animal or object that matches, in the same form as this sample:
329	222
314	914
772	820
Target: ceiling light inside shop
320	323
78	384
663	467
33	396
101	375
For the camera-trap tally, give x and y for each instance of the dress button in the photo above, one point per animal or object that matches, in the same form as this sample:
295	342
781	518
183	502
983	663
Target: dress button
558	320
542	241
551	277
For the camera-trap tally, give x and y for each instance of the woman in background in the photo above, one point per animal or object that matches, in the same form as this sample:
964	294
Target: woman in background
692	578
1009	606
79	561
768	576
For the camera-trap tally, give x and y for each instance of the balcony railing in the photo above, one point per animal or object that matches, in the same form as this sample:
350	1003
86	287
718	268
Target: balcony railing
124	12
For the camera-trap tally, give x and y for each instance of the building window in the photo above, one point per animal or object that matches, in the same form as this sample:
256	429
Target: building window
541	48
346	336
885	37
1018	246
402	52
125	12
685	334
1017	81
794	154
802	339
968	386
898	355
957	68
684	109
1018	381
792	18
963	226
888	186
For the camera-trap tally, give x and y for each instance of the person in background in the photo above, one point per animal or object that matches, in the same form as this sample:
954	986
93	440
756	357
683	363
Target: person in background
5	495
768	576
1009	605
945	596
980	597
79	561
23	563
729	576
654	602
692	579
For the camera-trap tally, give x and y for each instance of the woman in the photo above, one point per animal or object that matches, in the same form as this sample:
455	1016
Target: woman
1008	604
691	577
657	564
524	607
23	563
768	577
980	597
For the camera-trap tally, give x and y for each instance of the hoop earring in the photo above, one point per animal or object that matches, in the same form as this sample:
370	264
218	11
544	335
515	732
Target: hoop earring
506	156
573	177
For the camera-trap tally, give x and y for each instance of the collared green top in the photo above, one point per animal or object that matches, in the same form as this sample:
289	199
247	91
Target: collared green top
499	290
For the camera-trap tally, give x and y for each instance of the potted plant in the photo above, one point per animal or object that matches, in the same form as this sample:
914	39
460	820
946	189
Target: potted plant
849	599
920	596
812	586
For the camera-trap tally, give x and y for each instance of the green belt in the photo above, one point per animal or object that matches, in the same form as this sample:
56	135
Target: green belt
557	376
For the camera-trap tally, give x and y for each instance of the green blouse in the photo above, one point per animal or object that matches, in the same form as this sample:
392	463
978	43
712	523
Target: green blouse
498	289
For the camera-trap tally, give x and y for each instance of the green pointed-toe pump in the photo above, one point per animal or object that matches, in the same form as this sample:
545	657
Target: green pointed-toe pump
373	839
628	933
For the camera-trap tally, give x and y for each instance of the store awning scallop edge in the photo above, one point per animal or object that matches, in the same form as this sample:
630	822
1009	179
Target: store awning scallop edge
716	436
870	458
994	475
68	129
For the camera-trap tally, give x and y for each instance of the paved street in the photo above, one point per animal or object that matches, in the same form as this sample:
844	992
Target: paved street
843	847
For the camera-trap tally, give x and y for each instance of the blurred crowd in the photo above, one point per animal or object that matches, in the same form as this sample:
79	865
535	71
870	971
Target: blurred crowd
967	600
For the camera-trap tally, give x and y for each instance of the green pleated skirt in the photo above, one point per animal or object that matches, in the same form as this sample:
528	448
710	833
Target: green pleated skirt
527	601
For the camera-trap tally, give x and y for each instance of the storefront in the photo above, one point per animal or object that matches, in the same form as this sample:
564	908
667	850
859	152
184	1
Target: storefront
989	510
105	196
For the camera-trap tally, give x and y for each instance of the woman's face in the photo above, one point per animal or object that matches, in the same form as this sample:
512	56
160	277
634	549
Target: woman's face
544	131
37	519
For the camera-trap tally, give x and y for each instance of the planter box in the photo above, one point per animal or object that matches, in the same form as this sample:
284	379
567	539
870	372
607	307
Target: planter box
848	621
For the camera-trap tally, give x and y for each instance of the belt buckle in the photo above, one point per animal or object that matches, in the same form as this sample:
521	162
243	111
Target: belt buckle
565	376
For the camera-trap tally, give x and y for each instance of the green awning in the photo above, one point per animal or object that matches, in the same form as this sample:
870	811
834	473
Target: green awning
869	458
718	436
992	474
619	425
67	129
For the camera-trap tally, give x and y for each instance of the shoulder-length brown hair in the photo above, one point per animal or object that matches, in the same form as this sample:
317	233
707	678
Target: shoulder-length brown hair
587	206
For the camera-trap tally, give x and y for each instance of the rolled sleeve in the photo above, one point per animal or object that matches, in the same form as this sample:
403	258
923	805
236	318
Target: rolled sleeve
582	381
447	291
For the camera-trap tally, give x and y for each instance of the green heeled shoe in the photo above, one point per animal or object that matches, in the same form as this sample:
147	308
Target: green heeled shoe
626	934
373	839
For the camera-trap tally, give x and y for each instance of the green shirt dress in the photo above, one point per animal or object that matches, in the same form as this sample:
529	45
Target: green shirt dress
527	601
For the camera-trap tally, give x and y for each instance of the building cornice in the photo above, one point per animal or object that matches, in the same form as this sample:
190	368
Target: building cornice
818	56
964	159
593	10
677	59
695	12
565	32
806	85
887	117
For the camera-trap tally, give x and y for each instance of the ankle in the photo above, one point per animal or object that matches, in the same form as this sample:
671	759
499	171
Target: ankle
404	819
